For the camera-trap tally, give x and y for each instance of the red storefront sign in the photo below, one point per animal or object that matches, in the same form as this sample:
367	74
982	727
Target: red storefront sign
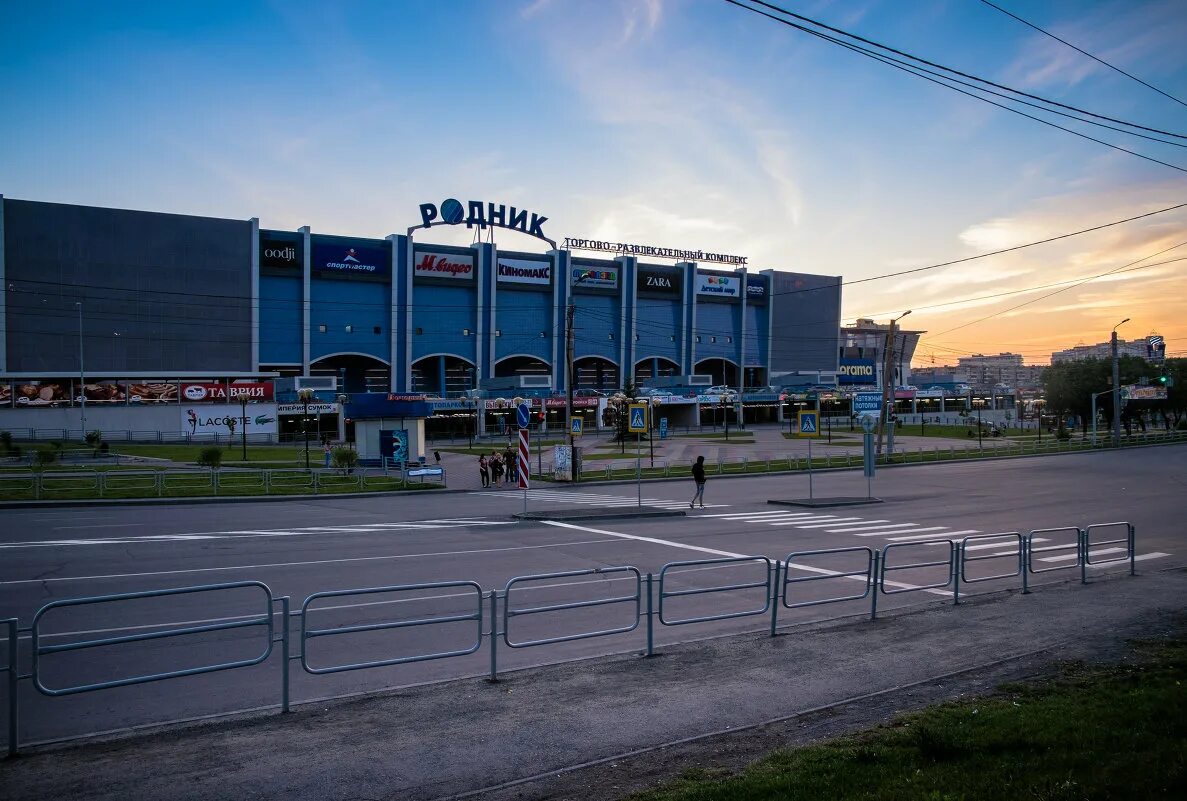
223	393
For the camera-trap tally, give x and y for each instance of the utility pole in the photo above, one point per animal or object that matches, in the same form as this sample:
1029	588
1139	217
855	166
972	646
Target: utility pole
82	380
569	314
1116	386
888	380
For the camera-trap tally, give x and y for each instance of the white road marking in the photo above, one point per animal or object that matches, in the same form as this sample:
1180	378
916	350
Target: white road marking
870	528
826	525
813	519
750	514
905	531
100	525
300	564
730	554
375	528
1068	556
944	535
1140	558
989	545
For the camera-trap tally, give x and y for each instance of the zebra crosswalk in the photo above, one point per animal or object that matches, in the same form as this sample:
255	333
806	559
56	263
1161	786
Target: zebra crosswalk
1000	543
603	500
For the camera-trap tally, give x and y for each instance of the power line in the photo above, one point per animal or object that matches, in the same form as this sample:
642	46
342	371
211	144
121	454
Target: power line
924	61
942	81
1084	52
1056	292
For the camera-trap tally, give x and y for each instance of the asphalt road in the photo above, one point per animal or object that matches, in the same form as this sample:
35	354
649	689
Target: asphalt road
299	548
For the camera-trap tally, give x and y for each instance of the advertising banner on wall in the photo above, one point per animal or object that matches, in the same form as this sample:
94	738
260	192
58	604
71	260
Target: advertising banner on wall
450	266
42	393
659	281
351	258
279	253
756	289
524	271
856	371
105	392
205	421
720	286
217	392
5	396
153	392
289	409
594	277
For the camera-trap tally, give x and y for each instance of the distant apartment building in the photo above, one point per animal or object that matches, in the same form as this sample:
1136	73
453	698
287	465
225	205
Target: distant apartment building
1103	350
984	372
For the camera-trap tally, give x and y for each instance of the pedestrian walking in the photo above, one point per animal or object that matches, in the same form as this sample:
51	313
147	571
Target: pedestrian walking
484	470
329	451
698	475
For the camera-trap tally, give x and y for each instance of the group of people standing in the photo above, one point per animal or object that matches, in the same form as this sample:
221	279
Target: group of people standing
497	468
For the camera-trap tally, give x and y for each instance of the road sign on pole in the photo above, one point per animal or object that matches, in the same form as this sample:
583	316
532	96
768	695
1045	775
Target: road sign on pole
809	424
575	426
867	402
523	415
663	428
637	418
524	464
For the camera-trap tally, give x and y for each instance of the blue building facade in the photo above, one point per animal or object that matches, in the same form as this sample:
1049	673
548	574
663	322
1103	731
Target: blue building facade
170	296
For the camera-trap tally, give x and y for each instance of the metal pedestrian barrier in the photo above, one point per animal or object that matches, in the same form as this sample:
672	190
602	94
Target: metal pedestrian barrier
308	634
1129	553
631	574
666	594
1057	551
40	650
886	567
464	604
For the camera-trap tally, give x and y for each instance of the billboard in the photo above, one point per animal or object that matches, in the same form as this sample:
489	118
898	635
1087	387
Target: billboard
665	282
153	392
719	286
279	253
594	277
449	266
525	271
42	393
857	371
218	392
756	289
206	422
352	257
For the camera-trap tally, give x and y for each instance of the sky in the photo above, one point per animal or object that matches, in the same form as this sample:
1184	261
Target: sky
690	124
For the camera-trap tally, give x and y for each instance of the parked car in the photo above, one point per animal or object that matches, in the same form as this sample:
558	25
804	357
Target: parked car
588	393
721	389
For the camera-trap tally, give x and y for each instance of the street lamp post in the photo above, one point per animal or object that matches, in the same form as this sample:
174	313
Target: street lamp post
81	376
888	380
1116	386
305	395
243	423
979	402
570	313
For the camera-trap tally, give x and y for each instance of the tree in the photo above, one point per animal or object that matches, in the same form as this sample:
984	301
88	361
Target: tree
211	457
1069	387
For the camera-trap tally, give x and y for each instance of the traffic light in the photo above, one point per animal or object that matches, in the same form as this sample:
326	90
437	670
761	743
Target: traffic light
540	416
1165	380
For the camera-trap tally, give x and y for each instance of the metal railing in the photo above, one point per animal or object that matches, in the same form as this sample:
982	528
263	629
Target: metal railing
161	483
464	603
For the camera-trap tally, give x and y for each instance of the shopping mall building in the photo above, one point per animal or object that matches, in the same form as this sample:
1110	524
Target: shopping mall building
151	316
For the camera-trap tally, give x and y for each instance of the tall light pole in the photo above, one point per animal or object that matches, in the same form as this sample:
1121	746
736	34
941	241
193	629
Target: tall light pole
243	423
570	313
888	380
82	392
305	394
1116	386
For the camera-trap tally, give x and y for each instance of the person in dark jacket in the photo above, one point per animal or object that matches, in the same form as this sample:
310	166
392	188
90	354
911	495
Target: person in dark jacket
698	475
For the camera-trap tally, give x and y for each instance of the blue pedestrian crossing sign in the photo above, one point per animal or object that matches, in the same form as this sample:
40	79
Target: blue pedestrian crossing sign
575	426
638	418
809	424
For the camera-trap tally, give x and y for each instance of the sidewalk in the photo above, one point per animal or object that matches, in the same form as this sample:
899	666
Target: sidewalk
456	738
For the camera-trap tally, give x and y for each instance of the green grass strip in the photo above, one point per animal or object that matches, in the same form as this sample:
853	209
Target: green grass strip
1104	733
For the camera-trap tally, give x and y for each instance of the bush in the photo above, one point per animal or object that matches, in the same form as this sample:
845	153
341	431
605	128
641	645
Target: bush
5	442
344	458
1062	433
93	438
211	457
45	456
